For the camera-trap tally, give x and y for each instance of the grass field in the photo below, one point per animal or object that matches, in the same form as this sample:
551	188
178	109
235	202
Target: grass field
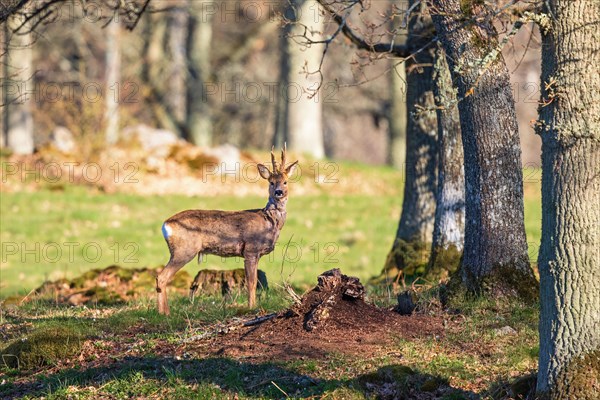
486	349
51	234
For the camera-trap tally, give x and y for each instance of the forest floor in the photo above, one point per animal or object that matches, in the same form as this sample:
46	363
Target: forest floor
124	349
110	343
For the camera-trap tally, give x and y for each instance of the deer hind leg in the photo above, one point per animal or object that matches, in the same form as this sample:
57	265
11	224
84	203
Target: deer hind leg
196	282
175	264
250	268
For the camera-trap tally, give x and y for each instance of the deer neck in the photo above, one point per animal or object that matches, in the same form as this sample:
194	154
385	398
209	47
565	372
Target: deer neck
275	210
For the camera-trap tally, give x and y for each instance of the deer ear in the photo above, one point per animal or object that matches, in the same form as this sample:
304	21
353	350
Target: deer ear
291	168
263	171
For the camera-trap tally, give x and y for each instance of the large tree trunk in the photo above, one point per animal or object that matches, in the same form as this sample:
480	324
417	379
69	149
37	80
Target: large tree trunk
113	81
449	226
199	122
495	257
569	259
410	251
20	75
303	119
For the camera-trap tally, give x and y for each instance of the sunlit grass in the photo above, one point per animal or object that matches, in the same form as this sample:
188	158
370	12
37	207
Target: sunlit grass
52	234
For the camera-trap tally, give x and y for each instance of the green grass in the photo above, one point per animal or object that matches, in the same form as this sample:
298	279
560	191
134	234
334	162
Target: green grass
51	234
464	359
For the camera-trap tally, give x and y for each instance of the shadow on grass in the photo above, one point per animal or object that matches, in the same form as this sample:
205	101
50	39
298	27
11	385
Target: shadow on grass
196	378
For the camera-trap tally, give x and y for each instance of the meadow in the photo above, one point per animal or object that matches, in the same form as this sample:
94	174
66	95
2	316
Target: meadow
481	348
51	233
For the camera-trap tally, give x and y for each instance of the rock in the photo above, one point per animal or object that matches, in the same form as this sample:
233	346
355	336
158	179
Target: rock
158	142
504	331
61	138
227	156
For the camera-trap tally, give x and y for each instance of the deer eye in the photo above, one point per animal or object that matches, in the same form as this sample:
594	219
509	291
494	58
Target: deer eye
272	183
285	183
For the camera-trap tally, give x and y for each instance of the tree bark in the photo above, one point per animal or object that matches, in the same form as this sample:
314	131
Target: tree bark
113	81
20	77
410	251
199	122
495	257
569	258
303	119
449	225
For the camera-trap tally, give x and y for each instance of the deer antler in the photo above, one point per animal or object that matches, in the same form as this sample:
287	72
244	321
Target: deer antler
273	159
283	156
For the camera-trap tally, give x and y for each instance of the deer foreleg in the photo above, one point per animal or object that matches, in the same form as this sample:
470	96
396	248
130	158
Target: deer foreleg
251	268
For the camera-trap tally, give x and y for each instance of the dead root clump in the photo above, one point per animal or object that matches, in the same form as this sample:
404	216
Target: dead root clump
333	317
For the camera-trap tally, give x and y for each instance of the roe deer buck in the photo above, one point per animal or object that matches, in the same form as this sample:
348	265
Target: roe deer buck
249	234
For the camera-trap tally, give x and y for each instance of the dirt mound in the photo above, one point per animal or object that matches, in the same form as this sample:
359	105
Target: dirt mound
115	284
110	285
331	318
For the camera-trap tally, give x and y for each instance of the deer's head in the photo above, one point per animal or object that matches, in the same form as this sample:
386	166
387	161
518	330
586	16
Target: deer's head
278	178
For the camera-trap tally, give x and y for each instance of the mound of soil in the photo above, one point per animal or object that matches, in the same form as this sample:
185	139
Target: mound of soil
114	284
332	318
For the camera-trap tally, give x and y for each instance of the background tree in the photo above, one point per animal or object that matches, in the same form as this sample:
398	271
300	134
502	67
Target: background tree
569	259
302	122
449	225
495	256
113	80
19	73
410	251
198	118
176	94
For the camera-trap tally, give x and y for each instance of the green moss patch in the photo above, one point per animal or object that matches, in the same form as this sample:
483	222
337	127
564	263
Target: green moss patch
405	259
580	379
443	263
44	346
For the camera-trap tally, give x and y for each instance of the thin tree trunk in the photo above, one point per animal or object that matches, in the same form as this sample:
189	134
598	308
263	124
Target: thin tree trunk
175	95
495	257
410	251
3	80
20	74
569	259
199	122
303	126
449	226
113	83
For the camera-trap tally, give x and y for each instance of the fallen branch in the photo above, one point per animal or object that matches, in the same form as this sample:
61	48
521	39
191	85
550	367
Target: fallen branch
260	320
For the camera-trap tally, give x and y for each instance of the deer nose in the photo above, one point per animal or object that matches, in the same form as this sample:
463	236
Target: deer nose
278	193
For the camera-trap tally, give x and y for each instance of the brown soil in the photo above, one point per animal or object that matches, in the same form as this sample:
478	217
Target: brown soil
328	320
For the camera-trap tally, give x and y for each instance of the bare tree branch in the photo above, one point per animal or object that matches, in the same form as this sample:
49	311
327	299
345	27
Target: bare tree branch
390	48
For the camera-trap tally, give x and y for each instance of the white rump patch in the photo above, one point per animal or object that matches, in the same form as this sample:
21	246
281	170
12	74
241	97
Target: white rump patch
166	231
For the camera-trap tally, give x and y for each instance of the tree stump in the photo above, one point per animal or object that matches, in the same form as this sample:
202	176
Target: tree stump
332	289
